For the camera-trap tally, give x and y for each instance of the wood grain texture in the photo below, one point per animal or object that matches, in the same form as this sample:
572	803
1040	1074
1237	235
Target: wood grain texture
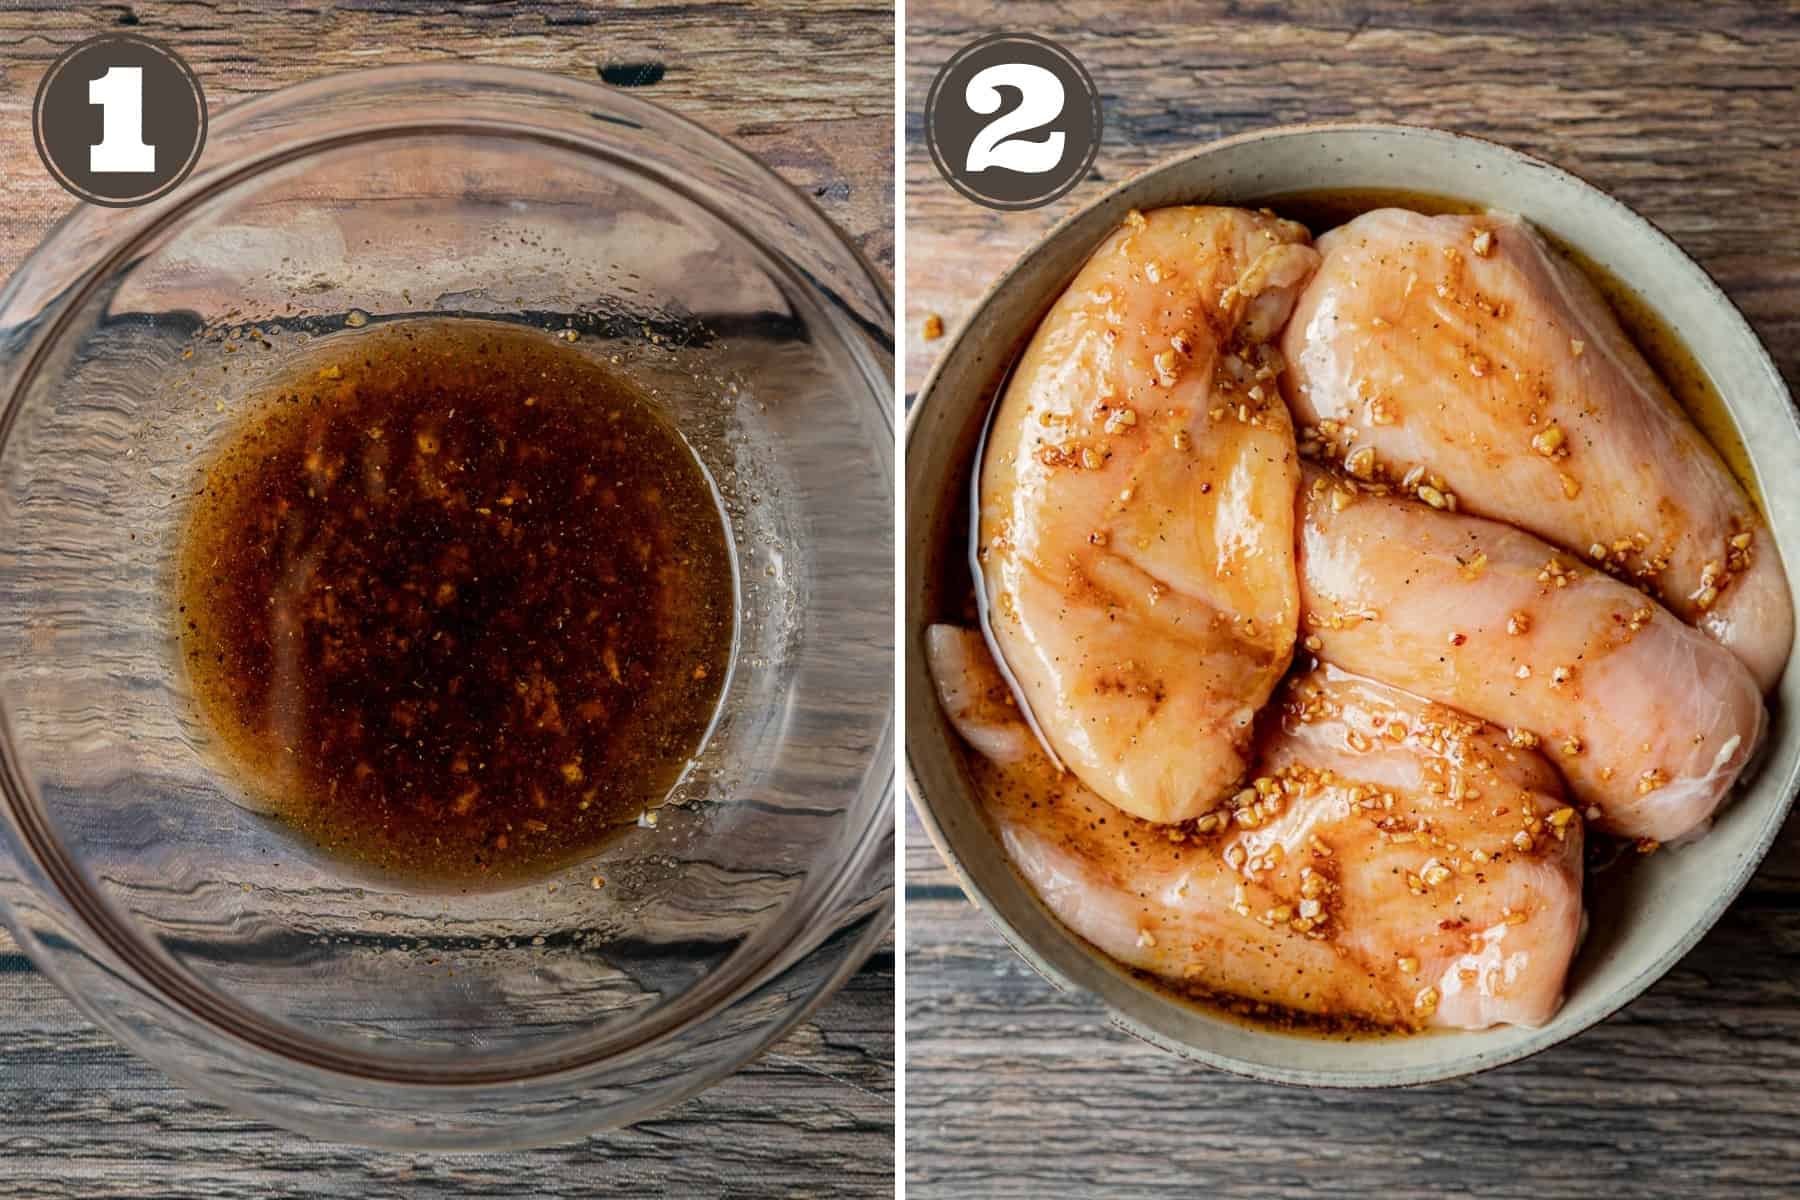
1681	111
808	88
1014	1088
83	1117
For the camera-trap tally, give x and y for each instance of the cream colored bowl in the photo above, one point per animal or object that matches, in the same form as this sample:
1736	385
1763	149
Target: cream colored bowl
1645	918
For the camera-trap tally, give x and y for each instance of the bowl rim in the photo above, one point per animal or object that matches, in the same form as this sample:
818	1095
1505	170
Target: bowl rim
331	1070
1533	1041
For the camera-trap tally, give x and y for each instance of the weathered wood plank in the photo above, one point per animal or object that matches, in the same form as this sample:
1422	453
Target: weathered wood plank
1016	1089
806	87
1682	112
82	1117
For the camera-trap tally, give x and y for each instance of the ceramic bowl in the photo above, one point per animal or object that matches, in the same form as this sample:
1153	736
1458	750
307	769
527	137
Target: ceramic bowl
1646	918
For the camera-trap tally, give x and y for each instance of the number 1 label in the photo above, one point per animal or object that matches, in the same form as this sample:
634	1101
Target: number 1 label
120	95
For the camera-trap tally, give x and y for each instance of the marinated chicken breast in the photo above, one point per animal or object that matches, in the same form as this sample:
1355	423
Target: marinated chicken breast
1394	862
1649	721
1458	355
1136	524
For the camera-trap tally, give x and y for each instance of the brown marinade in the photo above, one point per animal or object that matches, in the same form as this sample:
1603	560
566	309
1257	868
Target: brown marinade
457	601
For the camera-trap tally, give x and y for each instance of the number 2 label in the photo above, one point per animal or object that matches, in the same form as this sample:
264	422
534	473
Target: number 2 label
120	95
1041	101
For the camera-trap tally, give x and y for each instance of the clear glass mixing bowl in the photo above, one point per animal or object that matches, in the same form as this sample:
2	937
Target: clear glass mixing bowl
207	935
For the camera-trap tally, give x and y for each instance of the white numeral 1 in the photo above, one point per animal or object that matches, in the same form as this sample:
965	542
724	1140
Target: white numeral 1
120	95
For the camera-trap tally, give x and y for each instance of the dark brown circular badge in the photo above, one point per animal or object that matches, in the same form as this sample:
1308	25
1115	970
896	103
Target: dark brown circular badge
119	120
1013	121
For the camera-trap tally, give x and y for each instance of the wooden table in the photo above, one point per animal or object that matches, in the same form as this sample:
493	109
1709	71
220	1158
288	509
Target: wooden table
1013	1088
808	87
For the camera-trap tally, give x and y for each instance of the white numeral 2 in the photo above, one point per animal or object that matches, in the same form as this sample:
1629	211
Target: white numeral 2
1041	102
120	95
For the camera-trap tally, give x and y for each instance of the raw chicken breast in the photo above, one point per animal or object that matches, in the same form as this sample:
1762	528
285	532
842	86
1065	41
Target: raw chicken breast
1459	353
1395	862
1136	532
1649	721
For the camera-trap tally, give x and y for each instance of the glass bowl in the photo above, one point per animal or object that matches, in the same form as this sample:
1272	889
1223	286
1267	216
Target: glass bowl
210	937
